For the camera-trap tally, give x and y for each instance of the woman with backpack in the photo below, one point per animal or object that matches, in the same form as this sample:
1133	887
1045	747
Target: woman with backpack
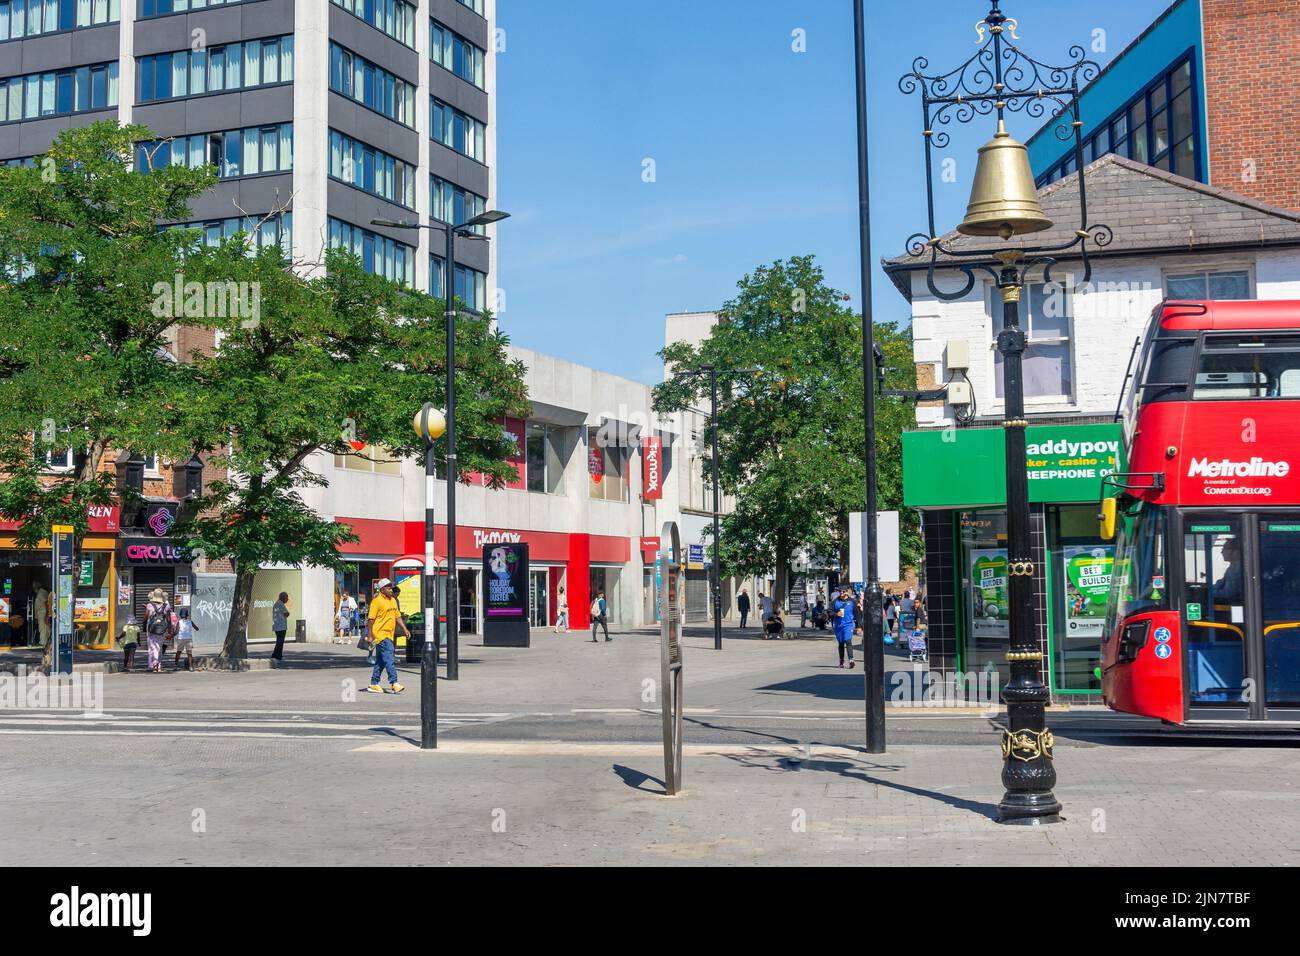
598	609
159	626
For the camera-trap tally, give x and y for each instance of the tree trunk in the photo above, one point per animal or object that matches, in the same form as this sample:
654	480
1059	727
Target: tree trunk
236	646
782	572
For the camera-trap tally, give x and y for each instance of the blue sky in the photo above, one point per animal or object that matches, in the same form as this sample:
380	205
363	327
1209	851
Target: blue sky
753	146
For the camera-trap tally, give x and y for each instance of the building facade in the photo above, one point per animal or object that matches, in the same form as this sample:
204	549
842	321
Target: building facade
1198	93
1173	238
320	116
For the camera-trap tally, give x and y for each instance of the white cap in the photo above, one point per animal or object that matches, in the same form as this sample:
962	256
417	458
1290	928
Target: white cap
383	583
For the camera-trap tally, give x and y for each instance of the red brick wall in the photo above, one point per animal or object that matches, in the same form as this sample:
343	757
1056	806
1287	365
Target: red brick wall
1252	59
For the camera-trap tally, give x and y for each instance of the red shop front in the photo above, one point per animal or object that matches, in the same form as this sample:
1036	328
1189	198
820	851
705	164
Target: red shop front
555	558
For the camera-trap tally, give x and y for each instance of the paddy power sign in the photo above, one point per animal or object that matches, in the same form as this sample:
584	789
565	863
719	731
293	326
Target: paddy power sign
967	466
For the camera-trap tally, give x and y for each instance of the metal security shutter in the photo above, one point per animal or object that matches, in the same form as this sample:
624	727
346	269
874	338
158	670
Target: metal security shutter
144	581
697	596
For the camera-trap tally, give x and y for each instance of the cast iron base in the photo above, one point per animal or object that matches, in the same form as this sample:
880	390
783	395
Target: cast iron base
1029	808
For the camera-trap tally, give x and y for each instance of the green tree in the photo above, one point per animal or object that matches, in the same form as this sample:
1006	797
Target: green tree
788	355
83	351
339	357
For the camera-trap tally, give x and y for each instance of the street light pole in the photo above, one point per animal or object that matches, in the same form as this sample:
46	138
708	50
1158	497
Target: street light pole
1004	204
717	540
873	665
429	424
453	577
449	313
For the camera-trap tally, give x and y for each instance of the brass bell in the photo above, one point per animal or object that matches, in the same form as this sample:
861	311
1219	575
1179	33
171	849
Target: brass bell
1003	200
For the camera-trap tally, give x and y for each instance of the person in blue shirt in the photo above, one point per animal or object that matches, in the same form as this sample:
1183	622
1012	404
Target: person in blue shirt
842	615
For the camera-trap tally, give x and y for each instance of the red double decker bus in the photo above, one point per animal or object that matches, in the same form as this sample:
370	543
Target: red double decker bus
1204	618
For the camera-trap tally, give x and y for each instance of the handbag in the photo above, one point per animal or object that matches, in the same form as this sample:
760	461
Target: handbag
363	642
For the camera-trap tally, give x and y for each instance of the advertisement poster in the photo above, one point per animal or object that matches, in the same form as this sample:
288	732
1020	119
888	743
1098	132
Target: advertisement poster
1087	588
4	609
505	595
90	610
989	592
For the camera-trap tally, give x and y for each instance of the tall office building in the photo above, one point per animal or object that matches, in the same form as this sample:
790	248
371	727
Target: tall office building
325	113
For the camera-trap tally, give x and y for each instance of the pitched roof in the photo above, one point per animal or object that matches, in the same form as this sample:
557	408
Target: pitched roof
1148	209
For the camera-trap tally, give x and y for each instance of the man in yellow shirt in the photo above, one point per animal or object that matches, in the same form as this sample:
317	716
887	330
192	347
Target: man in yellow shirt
385	619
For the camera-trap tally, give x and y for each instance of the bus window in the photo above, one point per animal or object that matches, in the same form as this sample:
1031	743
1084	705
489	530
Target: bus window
1279	565
1214	601
1248	366
1138	581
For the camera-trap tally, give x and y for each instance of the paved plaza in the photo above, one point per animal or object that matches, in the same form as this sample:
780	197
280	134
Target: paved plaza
551	756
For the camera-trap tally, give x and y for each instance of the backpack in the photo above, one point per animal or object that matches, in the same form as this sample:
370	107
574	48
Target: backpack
595	608
158	624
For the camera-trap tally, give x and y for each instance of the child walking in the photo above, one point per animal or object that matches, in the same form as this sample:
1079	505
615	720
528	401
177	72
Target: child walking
185	638
128	640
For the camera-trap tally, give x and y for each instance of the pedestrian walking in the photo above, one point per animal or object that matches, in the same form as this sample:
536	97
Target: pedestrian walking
346	608
280	624
159	626
742	605
385	621
891	613
128	639
561	611
842	612
803	610
185	628
598	616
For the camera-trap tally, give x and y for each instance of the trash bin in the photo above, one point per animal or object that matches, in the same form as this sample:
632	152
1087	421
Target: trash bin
415	643
300	631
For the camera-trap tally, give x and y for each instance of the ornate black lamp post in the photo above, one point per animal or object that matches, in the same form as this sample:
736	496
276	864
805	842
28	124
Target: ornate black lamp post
998	79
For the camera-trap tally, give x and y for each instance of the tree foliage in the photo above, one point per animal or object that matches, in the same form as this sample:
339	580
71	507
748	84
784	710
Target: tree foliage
83	362
331	355
341	357
788	357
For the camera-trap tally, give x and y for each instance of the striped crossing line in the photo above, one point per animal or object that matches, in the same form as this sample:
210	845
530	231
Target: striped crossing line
347	725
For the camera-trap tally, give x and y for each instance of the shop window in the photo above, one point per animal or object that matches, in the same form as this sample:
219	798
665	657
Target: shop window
986	589
1080	576
1046	311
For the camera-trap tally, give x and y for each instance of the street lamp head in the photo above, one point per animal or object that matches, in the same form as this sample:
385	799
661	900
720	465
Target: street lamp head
487	218
1003	198
395	223
429	423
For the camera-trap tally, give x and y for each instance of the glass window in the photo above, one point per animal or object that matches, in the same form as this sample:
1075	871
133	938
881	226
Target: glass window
1185	158
1279	557
986	586
252	64
1248	366
252	152
1208	285
1214	586
1081	577
1045	315
198	72
1139	571
217	69
1160	133
535	456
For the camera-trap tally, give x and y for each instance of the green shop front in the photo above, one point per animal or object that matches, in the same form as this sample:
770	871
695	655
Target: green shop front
957	479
